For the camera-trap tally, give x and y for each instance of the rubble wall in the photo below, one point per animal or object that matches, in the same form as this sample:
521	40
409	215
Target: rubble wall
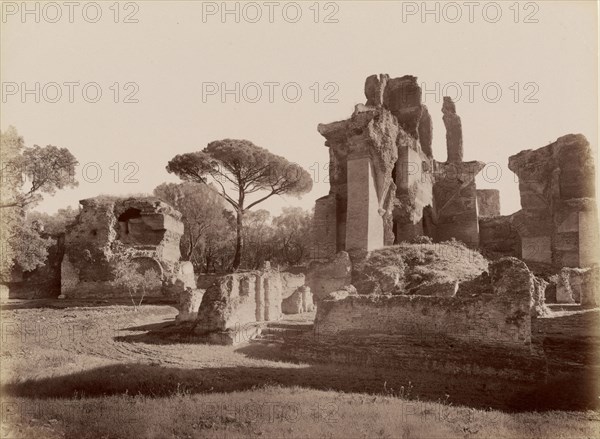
488	203
498	237
144	230
498	315
558	220
486	320
239	299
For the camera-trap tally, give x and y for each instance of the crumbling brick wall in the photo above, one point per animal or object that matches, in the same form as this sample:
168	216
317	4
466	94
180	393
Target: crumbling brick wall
238	299
385	185
500	315
558	220
145	230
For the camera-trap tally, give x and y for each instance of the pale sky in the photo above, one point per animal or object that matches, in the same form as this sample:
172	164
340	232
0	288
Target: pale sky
172	51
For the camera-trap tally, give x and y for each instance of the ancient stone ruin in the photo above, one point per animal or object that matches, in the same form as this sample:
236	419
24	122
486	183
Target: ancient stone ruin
144	230
387	191
386	187
385	289
234	306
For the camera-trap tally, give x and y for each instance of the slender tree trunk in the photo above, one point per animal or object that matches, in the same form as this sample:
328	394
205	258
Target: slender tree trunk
239	243
208	259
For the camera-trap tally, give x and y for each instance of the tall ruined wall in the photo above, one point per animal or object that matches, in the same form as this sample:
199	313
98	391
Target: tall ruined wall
498	237
488	203
455	202
558	220
145	230
385	185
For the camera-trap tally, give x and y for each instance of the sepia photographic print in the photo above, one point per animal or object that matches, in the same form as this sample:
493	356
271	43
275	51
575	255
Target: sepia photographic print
299	219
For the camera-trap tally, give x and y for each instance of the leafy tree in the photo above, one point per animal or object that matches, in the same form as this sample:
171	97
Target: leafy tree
53	223
294	230
259	239
29	246
25	174
244	169
206	227
46	169
11	145
128	276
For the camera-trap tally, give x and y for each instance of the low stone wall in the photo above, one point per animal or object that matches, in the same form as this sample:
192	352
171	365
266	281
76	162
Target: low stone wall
579	285
485	330
239	299
300	301
486	319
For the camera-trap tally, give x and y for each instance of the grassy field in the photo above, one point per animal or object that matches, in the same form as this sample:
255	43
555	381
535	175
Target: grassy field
74	371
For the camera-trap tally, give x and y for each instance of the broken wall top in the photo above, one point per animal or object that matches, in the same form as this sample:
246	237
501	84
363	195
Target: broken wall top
399	96
146	205
561	170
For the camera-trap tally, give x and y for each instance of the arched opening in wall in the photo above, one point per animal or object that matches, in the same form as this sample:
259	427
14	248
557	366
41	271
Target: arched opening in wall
126	217
137	230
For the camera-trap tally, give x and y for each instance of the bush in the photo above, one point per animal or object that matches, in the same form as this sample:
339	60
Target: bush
128	276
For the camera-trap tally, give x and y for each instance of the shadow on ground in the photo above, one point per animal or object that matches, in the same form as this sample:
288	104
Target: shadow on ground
79	303
157	381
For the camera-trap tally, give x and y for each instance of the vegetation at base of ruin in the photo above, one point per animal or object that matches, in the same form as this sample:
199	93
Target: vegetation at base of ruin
423	264
29	246
26	173
127	275
88	372
244	169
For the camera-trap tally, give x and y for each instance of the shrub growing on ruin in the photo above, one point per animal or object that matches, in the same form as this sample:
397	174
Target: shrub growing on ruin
137	285
417	268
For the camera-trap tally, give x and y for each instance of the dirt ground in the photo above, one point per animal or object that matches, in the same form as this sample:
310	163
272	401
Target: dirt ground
99	359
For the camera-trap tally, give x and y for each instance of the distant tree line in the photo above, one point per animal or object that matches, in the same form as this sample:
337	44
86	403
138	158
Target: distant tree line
210	231
221	233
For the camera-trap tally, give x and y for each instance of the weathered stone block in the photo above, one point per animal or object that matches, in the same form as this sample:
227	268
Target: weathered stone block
579	285
537	249
454	142
364	224
325	228
290	283
326	277
488	202
299	302
144	230
189	304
